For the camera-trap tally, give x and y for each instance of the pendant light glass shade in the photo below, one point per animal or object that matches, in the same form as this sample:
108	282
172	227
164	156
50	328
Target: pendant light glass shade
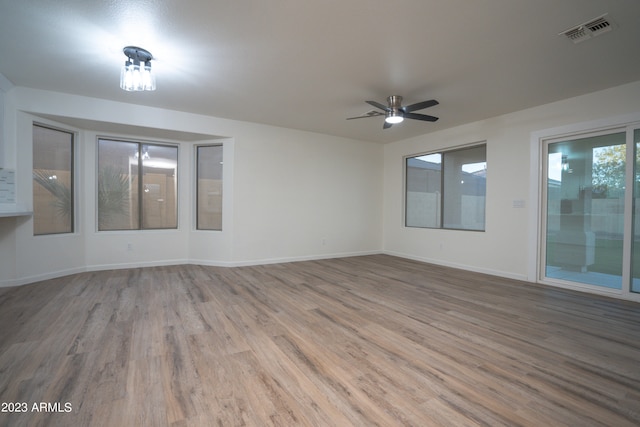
148	78
134	76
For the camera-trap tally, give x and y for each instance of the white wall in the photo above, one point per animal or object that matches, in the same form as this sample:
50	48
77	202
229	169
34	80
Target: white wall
306	196
291	195
508	244
288	194
42	256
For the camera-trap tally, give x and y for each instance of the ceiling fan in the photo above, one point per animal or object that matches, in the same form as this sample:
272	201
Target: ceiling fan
395	113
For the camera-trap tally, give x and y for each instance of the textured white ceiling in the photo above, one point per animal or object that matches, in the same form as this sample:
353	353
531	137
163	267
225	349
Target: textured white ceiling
311	64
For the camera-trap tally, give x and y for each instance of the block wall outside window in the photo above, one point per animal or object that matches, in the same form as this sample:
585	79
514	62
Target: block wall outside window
447	189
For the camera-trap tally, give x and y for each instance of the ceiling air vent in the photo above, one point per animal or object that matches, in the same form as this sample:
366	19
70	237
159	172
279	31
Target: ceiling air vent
592	28
598	26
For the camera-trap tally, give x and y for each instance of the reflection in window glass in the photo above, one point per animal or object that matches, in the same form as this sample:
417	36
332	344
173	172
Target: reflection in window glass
209	183
159	186
117	185
52	181
126	202
465	173
585	210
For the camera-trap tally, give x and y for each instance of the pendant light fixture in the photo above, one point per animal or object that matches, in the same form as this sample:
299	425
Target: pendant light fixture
136	72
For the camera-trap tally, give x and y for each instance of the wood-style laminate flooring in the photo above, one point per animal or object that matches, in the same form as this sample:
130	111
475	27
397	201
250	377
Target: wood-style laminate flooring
363	341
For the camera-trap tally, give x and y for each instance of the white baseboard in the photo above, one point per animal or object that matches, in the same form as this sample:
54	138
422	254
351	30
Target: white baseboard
265	261
100	267
103	267
40	277
489	271
261	261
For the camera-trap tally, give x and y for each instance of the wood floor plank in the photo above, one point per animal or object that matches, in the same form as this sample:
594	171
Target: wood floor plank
360	341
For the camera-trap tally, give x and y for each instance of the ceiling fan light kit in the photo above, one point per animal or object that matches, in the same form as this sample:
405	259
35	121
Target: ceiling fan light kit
394	118
395	113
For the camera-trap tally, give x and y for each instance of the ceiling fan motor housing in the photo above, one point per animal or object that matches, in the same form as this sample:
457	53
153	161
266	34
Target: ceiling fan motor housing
395	102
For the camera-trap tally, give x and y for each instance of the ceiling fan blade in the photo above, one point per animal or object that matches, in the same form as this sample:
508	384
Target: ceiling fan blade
378	105
386	125
420	105
367	114
423	117
360	117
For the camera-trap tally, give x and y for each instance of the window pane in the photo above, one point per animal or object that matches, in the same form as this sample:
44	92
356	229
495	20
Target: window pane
52	181
447	190
465	188
117	185
125	202
585	210
159	186
209	182
635	257
423	183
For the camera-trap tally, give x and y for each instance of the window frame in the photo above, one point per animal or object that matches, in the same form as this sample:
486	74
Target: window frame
197	186
140	185
73	169
441	200
625	290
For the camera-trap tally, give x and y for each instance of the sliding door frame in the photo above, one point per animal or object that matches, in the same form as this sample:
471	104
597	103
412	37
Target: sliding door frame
538	201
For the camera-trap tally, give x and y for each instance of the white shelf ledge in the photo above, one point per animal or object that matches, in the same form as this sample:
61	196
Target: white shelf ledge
12	210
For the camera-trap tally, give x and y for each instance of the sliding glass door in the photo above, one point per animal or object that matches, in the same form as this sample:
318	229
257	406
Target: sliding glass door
591	235
635	256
